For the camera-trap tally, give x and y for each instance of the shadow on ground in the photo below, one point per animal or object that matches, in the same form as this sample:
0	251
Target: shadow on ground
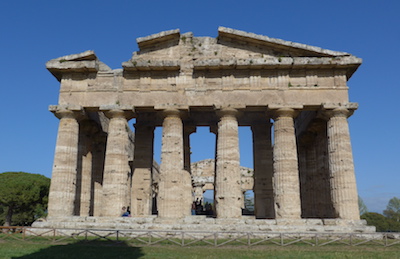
87	250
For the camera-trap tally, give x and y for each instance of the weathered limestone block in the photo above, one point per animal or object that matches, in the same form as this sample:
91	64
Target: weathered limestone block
286	176
343	182
141	203
117	172
263	170
322	194
175	187
63	183
98	154
84	174
228	194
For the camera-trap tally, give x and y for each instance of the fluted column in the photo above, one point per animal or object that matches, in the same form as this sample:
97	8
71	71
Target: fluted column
228	195
175	189
99	150
187	130
117	171
84	176
263	170
63	182
141	204
286	176
341	169
322	195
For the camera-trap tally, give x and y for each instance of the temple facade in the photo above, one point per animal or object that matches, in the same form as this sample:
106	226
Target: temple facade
293	96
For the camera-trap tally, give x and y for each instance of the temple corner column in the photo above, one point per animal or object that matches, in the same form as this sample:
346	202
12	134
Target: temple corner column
62	193
341	166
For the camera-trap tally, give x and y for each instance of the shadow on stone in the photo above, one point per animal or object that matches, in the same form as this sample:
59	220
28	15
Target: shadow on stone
88	249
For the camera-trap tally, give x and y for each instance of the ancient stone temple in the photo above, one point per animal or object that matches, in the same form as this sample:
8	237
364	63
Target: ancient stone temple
293	96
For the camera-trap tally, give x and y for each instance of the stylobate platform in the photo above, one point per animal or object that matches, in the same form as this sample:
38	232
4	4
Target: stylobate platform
202	223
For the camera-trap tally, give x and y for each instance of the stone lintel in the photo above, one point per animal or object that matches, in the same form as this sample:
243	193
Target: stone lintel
116	107
182	107
293	106
332	106
236	106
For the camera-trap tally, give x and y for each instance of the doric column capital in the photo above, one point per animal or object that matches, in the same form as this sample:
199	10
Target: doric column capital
64	113
339	112
117	113
284	112
227	112
70	114
170	112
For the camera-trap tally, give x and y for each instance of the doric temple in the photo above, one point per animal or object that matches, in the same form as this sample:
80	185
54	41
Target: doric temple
293	96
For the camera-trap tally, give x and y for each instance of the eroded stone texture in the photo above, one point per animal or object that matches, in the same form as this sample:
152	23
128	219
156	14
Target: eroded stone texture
174	196
117	173
342	178
228	194
142	194
263	170
286	176
63	183
180	82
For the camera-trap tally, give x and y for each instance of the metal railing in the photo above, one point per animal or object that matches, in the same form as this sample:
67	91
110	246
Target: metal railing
195	238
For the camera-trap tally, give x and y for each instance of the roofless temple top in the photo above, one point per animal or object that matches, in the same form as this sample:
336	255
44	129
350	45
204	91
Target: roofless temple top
293	96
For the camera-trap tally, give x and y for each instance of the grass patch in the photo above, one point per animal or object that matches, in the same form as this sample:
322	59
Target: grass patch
70	248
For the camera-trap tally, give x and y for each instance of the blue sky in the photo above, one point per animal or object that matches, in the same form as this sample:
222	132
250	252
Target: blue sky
33	32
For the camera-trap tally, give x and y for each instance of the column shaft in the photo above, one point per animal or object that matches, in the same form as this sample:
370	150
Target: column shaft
141	204
228	194
175	189
63	182
286	177
263	170
341	168
98	173
117	171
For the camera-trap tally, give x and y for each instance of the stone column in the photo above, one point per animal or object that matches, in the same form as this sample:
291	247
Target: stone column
341	169
117	171
63	181
227	193
99	150
141	204
286	176
263	170
84	176
322	195
175	189
187	130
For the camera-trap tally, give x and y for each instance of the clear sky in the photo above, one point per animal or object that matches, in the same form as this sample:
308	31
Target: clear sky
33	32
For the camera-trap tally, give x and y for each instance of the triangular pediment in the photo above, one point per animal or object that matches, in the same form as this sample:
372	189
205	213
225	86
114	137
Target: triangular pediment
171	50
277	47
